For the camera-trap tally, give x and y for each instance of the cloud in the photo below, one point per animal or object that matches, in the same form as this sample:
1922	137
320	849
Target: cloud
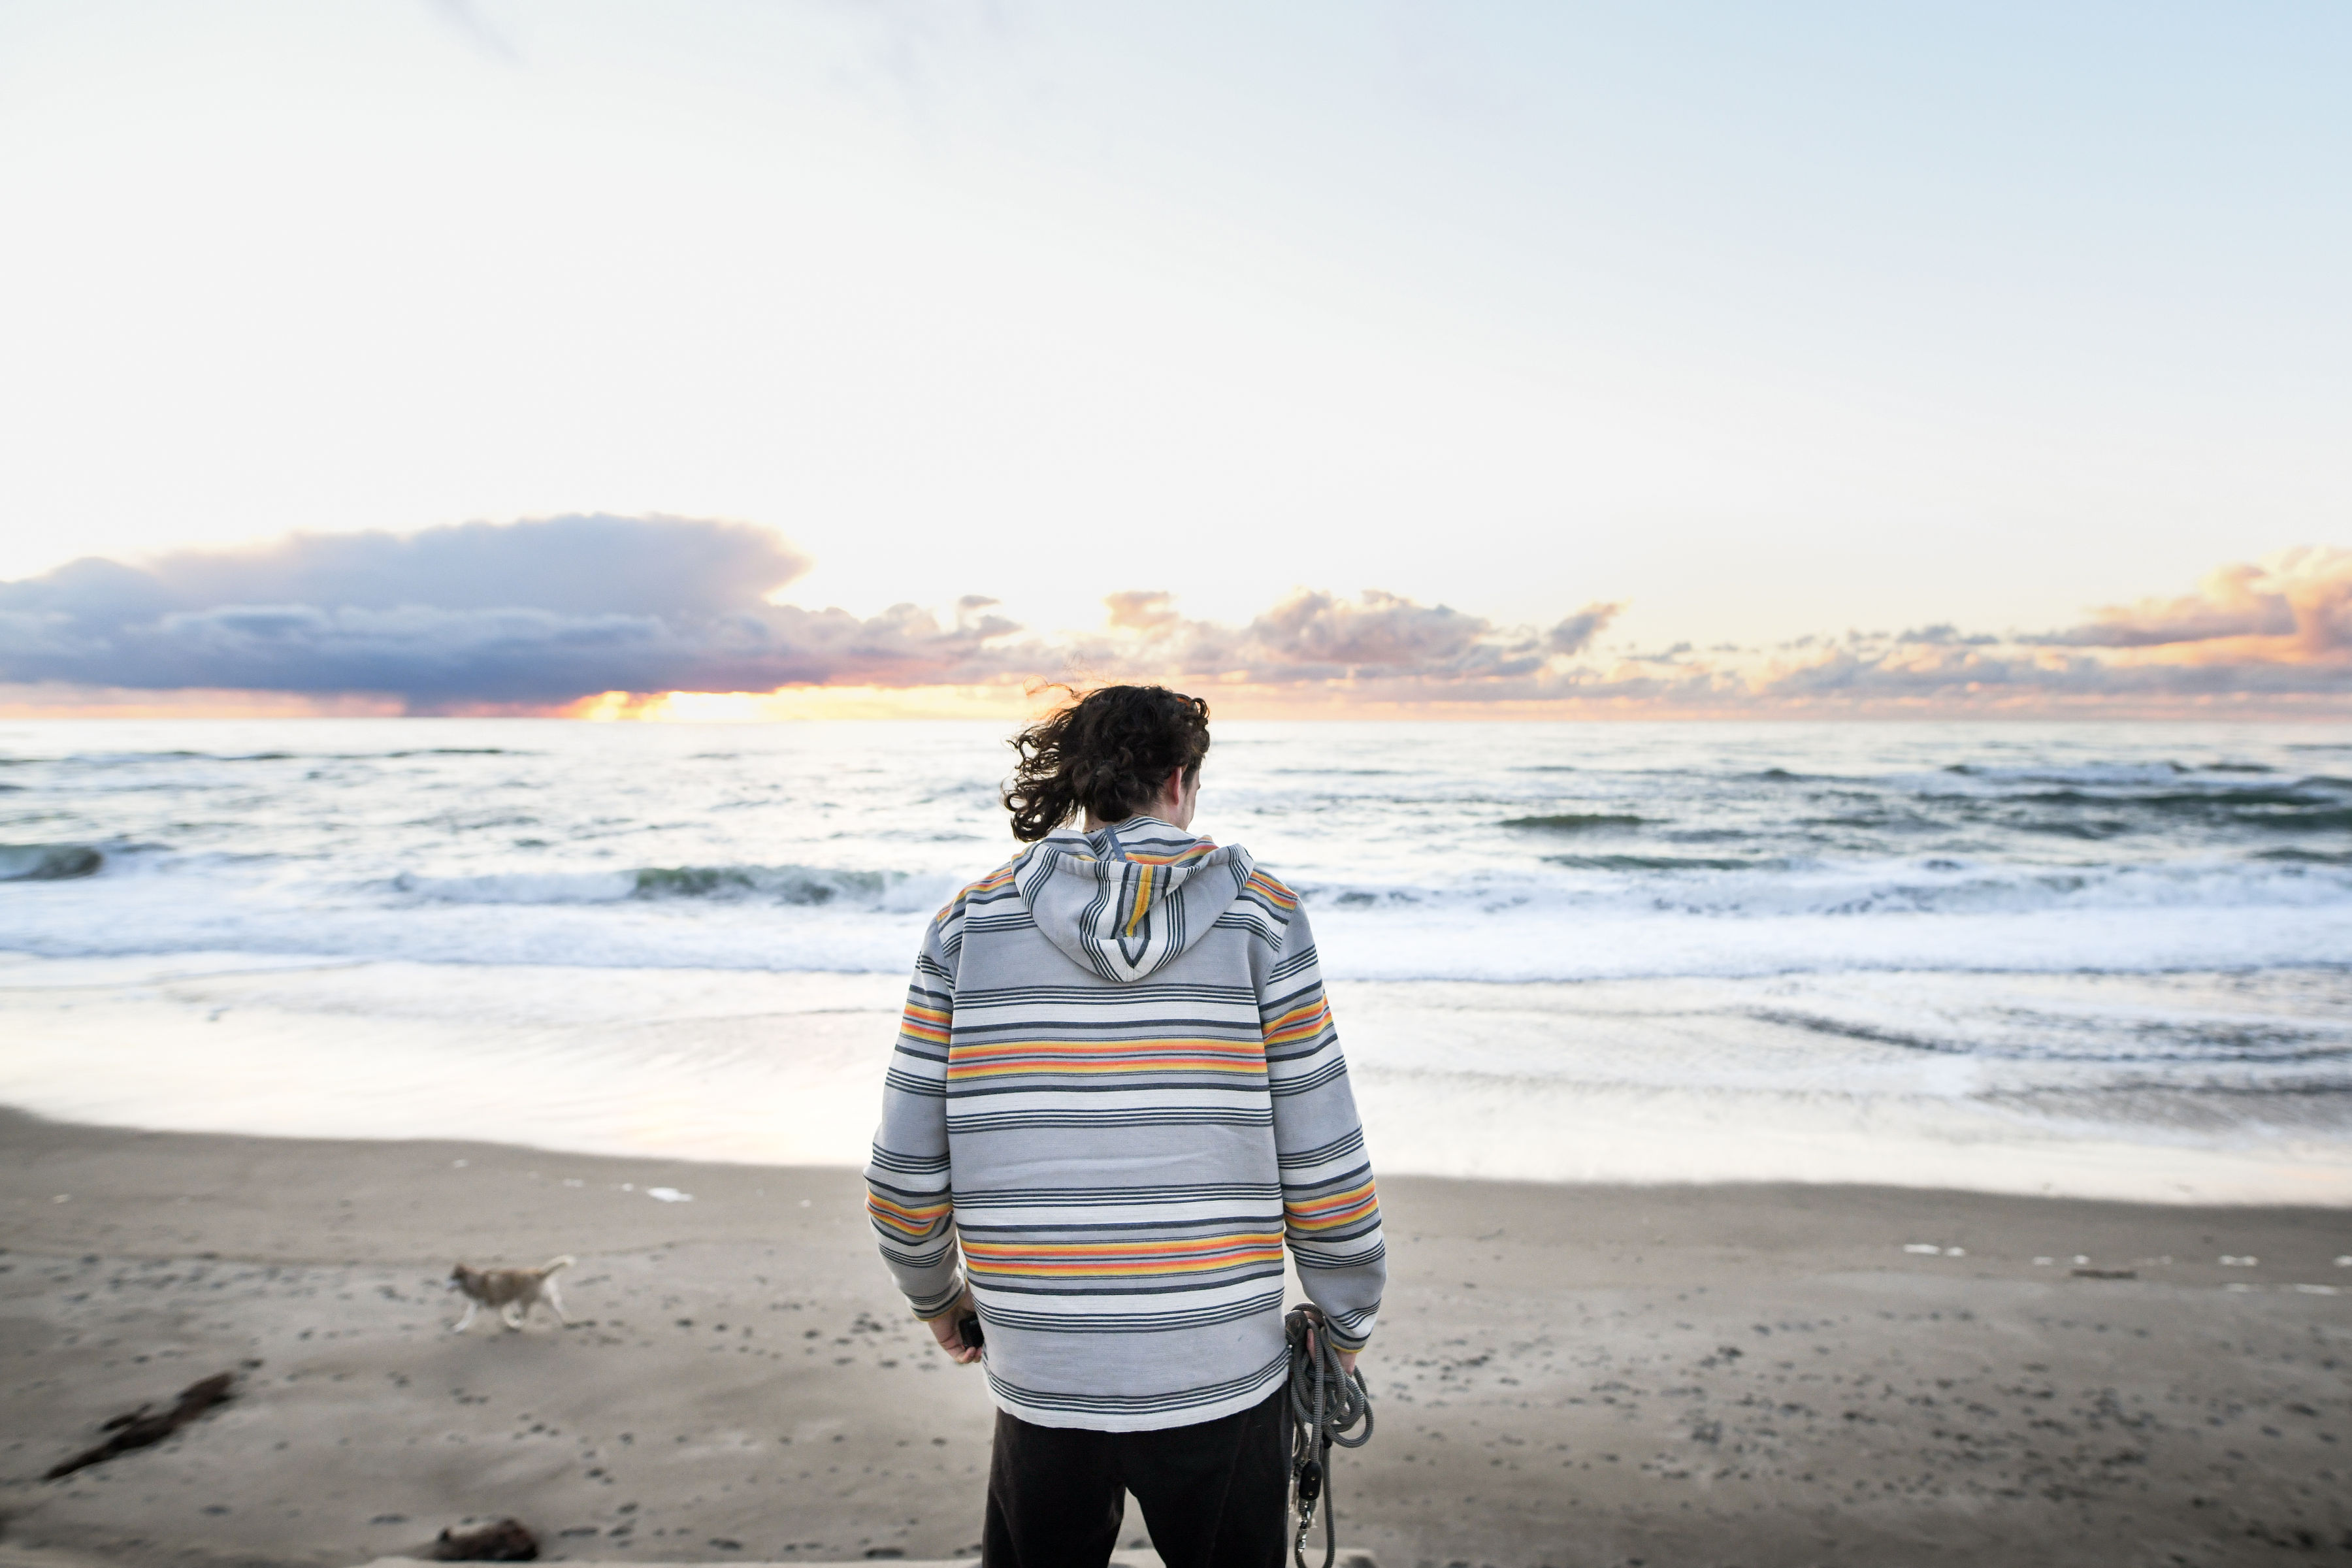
2298	599
1376	641
1143	612
544	613
536	612
1378	634
570	566
1577	632
2279	627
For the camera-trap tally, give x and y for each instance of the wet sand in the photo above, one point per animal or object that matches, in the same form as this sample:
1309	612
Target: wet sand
1726	1375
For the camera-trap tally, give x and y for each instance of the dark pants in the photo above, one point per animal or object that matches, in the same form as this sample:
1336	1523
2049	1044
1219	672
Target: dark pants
1216	1494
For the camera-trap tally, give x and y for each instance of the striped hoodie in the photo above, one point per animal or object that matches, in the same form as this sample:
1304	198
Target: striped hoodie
1117	1094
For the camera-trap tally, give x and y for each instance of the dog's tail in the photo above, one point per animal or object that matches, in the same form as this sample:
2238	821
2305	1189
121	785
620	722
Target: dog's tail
555	1264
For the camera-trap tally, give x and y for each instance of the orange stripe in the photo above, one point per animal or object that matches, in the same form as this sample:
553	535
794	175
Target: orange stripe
1063	1066
1326	1213
1273	889
926	1023
1330	1199
1106	1057
1194	853
1299	1023
1174	1248
913	1223
1100	1270
1157	1064
1143	1258
1097	1047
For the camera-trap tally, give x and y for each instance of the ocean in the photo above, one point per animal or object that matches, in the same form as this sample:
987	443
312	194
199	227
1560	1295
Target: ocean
2108	959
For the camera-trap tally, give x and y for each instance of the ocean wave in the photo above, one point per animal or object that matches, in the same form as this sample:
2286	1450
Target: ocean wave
2220	797
1656	863
1575	821
133	759
1776	886
796	886
49	862
2042	772
777	884
2019	1035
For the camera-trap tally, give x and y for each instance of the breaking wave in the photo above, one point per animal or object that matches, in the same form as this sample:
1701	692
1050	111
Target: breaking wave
806	886
49	862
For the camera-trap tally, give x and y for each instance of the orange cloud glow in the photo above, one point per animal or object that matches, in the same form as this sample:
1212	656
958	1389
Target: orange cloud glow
2293	607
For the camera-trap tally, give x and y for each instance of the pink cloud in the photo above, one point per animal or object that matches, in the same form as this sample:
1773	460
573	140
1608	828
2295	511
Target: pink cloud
2300	601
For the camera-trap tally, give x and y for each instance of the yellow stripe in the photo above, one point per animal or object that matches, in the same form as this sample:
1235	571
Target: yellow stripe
1194	853
926	1023
1146	1258
1338	1208
1273	890
1095	1047
1107	1056
1143	899
916	1225
1300	1023
1097	1069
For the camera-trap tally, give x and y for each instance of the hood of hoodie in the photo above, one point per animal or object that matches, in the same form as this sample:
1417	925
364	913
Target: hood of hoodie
1125	901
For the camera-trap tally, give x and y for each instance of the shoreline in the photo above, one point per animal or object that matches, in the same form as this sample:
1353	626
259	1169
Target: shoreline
1631	1081
1751	1373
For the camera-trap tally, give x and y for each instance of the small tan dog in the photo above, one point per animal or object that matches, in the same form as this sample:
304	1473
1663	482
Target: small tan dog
513	1291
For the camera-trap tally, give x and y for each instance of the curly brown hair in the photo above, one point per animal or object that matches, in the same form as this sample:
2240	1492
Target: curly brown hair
1109	752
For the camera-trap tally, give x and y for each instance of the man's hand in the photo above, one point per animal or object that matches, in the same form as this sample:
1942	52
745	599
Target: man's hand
1346	1358
944	1329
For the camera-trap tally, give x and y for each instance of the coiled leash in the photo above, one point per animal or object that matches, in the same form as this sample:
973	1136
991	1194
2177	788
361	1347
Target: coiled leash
1324	1404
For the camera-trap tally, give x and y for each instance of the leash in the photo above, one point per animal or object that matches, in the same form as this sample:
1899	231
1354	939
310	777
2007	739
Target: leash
1322	1406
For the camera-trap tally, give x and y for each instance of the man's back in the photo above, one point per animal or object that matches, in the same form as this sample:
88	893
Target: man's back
1118	1082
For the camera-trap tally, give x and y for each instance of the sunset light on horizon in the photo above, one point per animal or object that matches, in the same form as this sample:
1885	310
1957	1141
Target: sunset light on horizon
348	625
834	359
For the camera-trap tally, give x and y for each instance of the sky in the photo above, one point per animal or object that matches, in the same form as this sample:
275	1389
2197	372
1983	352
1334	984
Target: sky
1526	357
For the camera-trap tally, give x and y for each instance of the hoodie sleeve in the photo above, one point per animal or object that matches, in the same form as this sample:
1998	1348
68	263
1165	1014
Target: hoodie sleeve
1331	1216
910	1191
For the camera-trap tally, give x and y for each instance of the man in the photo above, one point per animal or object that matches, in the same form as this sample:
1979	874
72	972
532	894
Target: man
1117	1094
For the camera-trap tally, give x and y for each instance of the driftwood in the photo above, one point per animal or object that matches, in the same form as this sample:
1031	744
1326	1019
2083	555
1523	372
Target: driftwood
505	1541
140	1428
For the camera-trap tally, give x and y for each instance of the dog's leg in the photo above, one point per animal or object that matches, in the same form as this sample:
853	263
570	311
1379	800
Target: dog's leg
471	1308
555	1303
512	1315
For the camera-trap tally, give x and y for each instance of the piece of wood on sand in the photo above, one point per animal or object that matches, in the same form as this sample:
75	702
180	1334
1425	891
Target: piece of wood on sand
142	1429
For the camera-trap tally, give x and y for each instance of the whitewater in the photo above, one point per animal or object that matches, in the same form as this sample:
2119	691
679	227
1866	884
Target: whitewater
2112	959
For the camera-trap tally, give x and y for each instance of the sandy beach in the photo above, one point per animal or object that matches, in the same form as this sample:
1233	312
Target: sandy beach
1753	1374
